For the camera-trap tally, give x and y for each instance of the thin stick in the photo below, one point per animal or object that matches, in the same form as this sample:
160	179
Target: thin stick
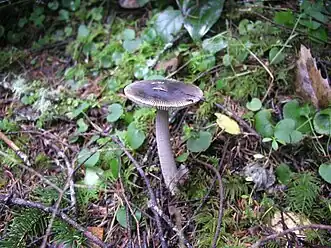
55	212
221	199
7	200
70	169
285	232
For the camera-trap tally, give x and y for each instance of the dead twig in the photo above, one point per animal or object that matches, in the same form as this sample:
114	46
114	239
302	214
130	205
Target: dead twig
70	169
7	200
285	232
221	199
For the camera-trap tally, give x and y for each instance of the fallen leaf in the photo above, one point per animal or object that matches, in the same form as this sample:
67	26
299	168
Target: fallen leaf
226	123
98	232
310	84
291	220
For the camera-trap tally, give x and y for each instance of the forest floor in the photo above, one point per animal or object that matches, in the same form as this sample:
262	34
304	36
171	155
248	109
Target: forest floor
79	163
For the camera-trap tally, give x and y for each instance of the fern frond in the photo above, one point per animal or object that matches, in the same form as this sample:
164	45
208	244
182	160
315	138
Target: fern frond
302	193
26	224
66	235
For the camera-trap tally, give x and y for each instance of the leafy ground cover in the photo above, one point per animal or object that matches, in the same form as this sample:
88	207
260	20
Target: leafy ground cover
79	164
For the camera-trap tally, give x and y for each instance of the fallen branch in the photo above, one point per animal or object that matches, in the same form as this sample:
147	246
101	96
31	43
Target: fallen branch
287	231
7	200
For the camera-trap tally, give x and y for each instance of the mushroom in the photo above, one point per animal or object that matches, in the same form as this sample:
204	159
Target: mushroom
165	95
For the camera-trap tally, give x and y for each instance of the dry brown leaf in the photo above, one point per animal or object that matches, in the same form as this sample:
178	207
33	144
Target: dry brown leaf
309	82
97	231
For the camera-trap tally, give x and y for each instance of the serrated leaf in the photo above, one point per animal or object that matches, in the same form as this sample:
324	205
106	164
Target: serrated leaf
325	171
263	123
199	143
199	18
168	24
115	112
322	122
254	105
227	124
88	157
134	136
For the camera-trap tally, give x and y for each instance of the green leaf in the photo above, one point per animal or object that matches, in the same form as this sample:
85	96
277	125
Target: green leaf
83	31
141	71
117	57
134	136
63	15
131	45
122	219
128	34
322	122
92	177
183	157
284	18
115	112
82	126
263	123
53	5
325	172
272	56
199	143
283	173
106	61
292	110
91	157
285	131
168	23
149	35
215	44
199	18
114	168
72	5
310	24
82	108
254	105
274	145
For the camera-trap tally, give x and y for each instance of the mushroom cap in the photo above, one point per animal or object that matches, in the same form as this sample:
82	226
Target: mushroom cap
165	94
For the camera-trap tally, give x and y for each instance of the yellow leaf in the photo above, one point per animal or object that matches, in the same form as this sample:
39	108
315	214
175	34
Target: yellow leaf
226	123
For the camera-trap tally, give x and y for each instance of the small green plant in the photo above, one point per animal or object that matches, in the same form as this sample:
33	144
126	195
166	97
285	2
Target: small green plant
303	192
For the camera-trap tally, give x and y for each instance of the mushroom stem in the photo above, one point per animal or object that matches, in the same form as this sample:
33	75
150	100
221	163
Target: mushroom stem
166	157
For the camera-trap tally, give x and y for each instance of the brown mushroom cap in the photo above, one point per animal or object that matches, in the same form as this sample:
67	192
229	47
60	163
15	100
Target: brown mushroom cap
165	94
